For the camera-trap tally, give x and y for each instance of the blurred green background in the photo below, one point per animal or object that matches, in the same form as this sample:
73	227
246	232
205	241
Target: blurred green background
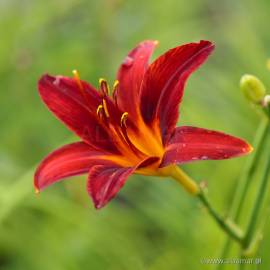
152	224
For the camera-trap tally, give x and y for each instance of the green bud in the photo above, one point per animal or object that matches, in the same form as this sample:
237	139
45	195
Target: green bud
253	88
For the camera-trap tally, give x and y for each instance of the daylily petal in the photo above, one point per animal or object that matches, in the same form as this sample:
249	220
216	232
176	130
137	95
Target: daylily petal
189	144
130	76
105	181
64	98
71	159
164	82
107	178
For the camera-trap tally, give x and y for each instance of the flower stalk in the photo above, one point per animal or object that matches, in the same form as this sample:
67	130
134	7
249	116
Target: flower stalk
245	181
257	205
249	169
182	178
255	92
227	225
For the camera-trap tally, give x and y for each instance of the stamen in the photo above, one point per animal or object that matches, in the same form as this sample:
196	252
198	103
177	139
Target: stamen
104	87
115	85
101	80
105	107
124	119
77	79
125	134
115	90
99	108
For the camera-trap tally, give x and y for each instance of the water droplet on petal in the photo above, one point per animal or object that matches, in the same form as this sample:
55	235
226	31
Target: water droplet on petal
184	145
194	158
128	61
204	157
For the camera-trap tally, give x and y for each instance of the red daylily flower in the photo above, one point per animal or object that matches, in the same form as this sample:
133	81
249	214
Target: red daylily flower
132	131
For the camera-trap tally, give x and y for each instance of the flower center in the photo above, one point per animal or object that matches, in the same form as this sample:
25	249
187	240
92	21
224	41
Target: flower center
116	121
135	142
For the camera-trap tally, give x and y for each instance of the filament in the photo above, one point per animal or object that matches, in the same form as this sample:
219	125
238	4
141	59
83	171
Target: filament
105	107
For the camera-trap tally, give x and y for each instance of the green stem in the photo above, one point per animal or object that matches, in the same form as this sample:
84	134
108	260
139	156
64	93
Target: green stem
191	186
246	177
244	182
225	224
258	205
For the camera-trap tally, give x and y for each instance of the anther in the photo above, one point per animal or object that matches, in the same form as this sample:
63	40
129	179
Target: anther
115	90
124	119
77	79
101	80
115	85
99	108
105	107
104	87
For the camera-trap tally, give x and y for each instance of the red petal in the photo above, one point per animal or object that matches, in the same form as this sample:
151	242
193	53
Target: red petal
105	180
64	98
71	159
130	76
164	83
190	144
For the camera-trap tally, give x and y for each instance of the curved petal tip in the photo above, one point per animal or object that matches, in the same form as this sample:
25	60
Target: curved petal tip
37	190
249	149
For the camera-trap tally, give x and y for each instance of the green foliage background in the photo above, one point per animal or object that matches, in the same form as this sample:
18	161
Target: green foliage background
152	224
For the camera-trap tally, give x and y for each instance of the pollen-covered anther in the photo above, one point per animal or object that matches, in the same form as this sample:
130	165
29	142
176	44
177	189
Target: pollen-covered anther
115	85
124	119
115	91
104	87
77	79
99	108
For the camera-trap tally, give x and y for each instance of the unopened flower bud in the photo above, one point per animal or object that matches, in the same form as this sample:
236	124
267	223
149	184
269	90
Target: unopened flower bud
253	88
